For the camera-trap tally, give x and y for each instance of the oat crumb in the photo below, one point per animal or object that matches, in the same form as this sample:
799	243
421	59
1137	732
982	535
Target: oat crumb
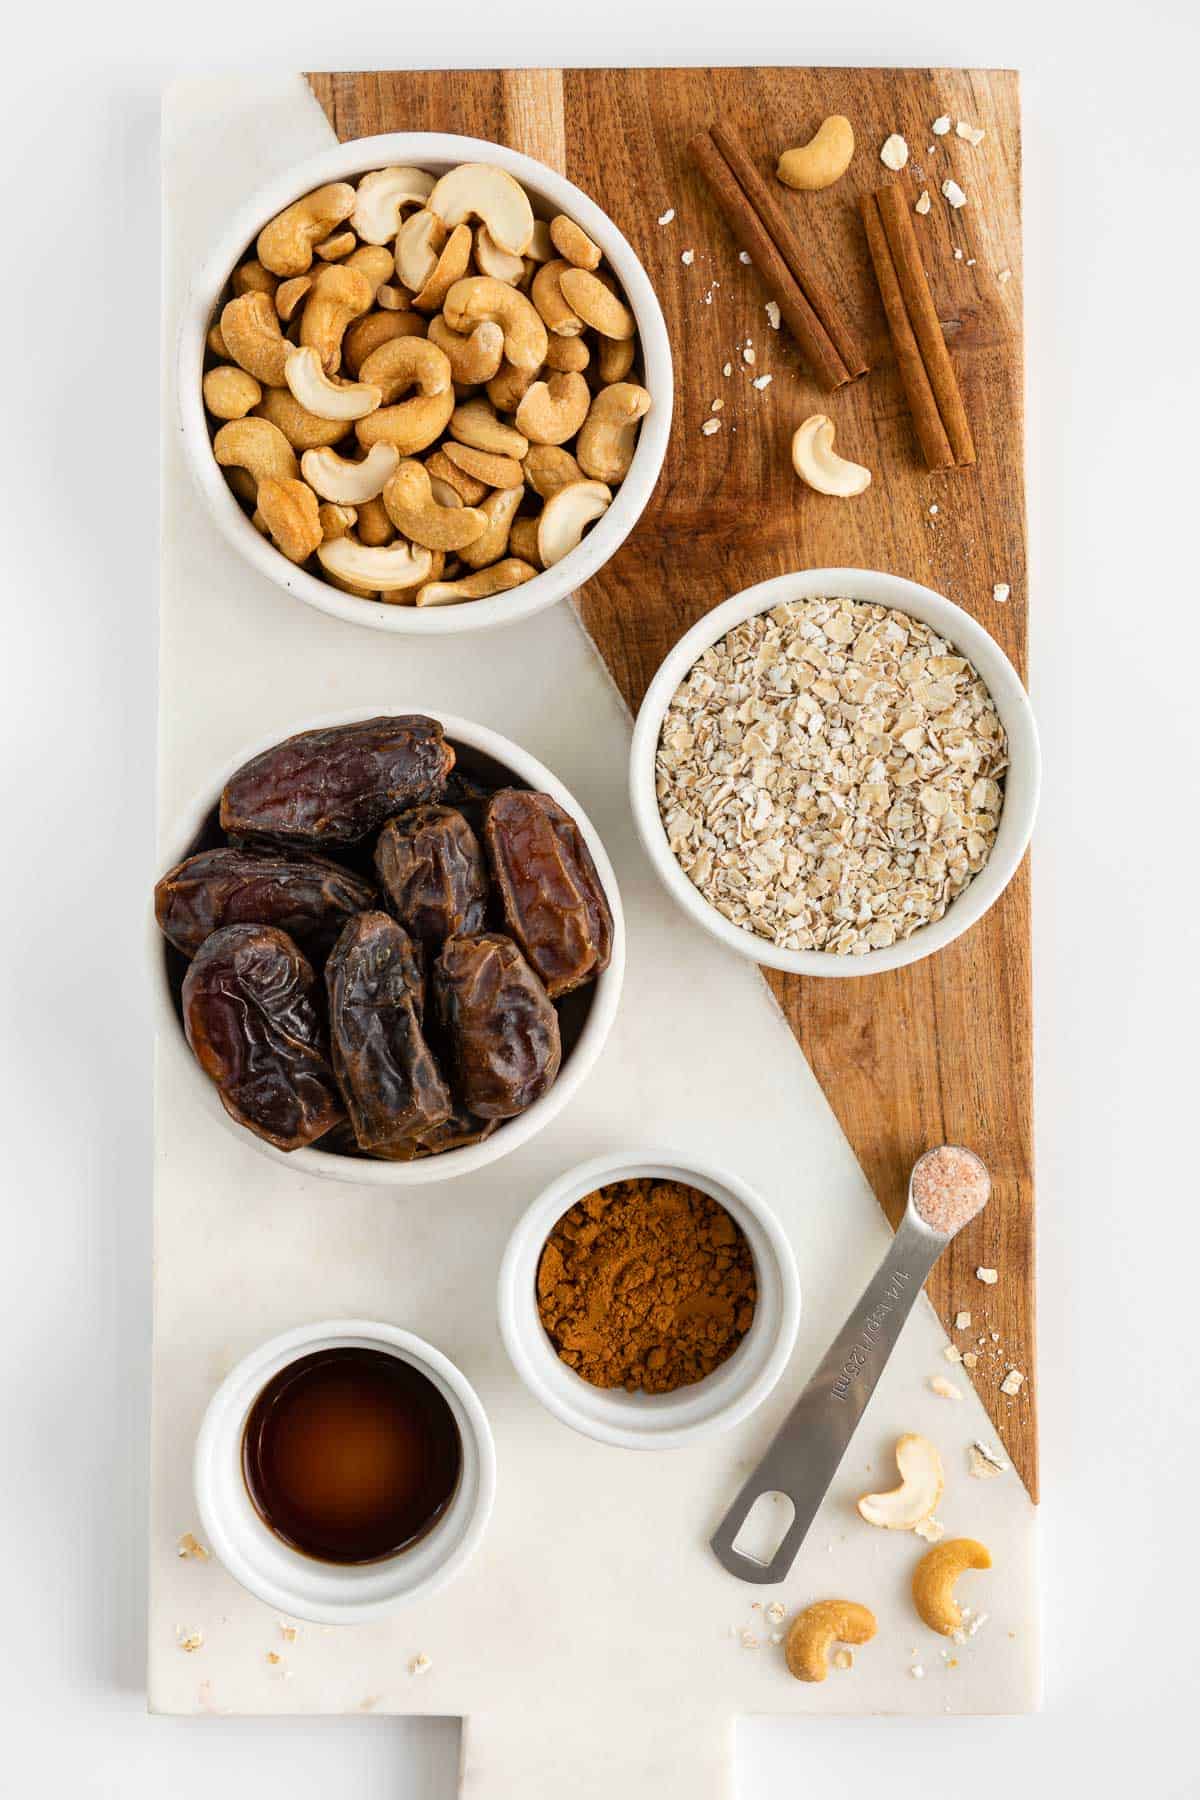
1004	275
989	1277
971	134
954	194
1000	592
420	1664
665	218
962	1321
945	1388
762	381
843	1659
189	1548
775	1612
924	203
894	153
716	405
983	1462
688	258
748	1640
952	1353
941	125
1013	1382
777	1637
273	1656
917	1672
931	1529
773	314
727	368
744	257
748	354
709	426
191	1641
969	1359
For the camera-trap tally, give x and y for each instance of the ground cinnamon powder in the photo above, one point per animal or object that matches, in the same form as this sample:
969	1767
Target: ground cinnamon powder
646	1284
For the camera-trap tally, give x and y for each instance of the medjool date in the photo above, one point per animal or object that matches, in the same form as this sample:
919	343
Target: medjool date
389	1080
552	900
432	872
336	784
307	896
250	1020
497	1025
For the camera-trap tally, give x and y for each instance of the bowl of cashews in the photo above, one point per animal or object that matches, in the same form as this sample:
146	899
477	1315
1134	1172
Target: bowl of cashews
425	384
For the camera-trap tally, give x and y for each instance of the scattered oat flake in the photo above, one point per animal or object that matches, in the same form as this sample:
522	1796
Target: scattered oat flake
688	258
962	1321
762	381
665	218
972	134
420	1664
954	194
775	1612
1013	1382
744	257
923	202
748	354
933	509
894	153
709	426
273	1656
191	1641
190	1548
971	261
777	1637
930	1529
1000	592
773	314
716	405
843	1659
958	256
941	126
952	1353
1004	275
727	368
988	1277
969	1359
917	1672
945	1388
288	1633
748	1640
984	1462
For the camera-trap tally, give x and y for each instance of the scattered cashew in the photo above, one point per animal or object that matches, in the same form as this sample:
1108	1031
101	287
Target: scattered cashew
334	248
553	411
469	489
481	297
418	242
823	160
934	1578
339	296
567	355
475	423
378	328
548	467
251	334
566	514
285	246
413	510
497	580
381	198
572	242
216	343
474	358
482	191
328	398
497	471
336	521
251	278
443	493
404	363
290	296
302	429
257	446
376	262
499	509
384	568
393	298
506	388
374	526
291	514
347	483
608	436
816	462
540	247
813	1633
490	259
921	1482
596	303
522	541
614	358
229	393
546	293
452	264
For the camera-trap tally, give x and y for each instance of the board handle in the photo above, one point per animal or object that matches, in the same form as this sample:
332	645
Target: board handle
542	1753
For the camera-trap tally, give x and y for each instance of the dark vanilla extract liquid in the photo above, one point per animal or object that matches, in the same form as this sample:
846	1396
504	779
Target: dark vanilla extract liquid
351	1455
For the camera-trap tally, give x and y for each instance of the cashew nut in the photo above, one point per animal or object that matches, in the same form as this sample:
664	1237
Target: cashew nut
548	467
921	1482
383	569
229	393
608	436
815	461
374	526
813	1632
404	363
481	297
381	198
522	541
497	580
328	398
302	429
443	493
250	330
367	334
565	516
547	295
490	259
499	510
475	423
348	483
257	446
553	411
469	490
452	264
393	298
614	358
823	160
475	358
566	355
334	248
482	191
507	387
540	247
216	343
408	497
291	295
496	471
251	278
374	261
336	521
340	294
934	1578
290	512
572	242
596	303
285	246
420	238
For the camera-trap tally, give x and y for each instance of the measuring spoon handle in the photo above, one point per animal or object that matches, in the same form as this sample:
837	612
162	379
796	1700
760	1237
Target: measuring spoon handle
810	1444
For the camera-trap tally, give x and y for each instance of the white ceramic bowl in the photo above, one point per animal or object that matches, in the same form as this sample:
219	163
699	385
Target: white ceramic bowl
602	995
1021	783
652	1421
330	1593
436	152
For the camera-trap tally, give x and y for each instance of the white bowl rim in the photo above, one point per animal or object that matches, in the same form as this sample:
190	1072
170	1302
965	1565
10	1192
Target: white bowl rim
362	1171
610	1416
357	156
226	1414
1022	780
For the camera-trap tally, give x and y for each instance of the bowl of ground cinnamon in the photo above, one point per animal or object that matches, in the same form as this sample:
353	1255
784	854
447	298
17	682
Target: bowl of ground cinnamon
647	1302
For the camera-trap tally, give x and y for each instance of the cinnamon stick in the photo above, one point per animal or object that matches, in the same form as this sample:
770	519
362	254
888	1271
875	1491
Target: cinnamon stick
922	402
816	345
767	207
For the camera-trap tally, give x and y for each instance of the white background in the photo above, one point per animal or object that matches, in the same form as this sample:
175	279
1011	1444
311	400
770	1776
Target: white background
1111	285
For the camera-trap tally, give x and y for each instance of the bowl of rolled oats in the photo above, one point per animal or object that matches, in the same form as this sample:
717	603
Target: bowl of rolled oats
836	772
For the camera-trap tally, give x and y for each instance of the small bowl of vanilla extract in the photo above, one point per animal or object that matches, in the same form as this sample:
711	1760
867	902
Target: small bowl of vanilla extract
344	1468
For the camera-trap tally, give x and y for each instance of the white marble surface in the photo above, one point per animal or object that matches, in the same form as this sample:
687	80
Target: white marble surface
1110	154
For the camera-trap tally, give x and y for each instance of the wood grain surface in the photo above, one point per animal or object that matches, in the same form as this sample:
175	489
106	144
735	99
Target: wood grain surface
941	1051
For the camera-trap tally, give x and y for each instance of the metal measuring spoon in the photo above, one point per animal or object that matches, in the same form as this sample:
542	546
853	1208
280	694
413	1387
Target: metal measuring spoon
947	1188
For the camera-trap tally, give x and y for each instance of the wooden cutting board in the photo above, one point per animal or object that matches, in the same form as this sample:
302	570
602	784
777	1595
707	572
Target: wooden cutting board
941	1051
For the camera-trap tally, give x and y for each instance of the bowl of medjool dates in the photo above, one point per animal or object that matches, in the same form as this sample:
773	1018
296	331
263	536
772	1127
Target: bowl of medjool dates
391	947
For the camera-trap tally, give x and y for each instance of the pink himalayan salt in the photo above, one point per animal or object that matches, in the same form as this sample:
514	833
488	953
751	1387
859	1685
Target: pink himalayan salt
949	1186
